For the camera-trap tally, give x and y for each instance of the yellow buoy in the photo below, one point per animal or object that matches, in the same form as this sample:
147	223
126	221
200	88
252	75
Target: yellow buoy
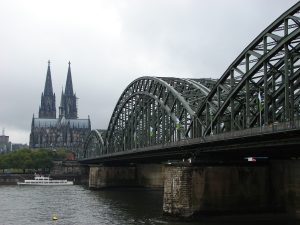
54	217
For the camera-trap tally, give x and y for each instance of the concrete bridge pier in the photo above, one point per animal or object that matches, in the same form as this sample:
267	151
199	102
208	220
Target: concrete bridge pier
285	177
142	175
191	189
111	176
150	175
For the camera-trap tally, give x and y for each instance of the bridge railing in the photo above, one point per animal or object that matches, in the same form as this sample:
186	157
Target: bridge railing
272	128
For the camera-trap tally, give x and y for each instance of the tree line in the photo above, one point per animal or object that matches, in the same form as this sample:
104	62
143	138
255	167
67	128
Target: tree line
31	159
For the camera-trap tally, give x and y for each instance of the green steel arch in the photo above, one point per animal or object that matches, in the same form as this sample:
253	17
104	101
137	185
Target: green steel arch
261	86
154	110
93	145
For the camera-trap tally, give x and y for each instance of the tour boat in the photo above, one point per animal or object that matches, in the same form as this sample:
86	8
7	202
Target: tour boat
43	181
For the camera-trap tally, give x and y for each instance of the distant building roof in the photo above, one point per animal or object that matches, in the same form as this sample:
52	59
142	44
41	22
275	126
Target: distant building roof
4	139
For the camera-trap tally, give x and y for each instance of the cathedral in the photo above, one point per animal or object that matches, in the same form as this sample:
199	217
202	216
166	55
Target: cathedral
66	131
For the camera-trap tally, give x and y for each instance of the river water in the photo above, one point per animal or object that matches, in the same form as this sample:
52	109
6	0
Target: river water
81	206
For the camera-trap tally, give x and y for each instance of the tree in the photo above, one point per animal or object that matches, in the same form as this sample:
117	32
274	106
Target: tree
4	163
38	159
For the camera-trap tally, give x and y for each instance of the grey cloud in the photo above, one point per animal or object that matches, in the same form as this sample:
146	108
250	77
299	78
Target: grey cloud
111	43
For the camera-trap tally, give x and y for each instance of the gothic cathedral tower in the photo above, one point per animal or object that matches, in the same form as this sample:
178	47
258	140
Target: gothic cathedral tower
67	131
68	104
47	108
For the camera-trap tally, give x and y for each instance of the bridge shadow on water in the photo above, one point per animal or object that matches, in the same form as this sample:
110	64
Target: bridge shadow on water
144	206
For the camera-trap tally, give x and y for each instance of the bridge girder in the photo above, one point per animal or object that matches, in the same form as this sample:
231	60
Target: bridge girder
261	87
263	82
154	110
93	145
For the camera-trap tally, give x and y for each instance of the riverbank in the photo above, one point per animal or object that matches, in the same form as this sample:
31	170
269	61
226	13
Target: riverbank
66	170
12	179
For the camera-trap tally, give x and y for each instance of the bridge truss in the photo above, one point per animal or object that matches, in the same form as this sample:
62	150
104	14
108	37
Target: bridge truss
261	87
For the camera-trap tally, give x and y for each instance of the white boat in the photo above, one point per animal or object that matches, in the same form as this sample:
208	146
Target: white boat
45	181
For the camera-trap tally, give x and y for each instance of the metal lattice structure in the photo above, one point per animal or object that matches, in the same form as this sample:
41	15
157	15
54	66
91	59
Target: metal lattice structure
93	145
261	87
152	111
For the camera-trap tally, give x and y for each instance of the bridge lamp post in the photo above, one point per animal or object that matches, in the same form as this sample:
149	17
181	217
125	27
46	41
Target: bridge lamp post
124	143
260	109
134	139
151	135
211	123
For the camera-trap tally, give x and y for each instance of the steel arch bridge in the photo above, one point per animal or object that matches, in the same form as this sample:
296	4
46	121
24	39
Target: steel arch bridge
261	87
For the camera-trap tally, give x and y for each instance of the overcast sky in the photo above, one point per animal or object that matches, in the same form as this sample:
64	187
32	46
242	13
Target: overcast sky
111	43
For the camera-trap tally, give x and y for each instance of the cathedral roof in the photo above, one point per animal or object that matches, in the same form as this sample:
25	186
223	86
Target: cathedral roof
42	122
72	123
79	123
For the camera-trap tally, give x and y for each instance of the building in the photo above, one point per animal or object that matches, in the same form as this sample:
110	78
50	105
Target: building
66	131
5	144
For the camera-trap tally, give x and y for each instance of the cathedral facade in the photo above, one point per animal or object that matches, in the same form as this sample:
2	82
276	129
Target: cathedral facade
66	131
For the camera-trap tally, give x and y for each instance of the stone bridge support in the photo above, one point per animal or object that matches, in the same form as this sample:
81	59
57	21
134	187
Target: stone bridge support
194	189
70	170
285	177
143	175
111	176
191	189
150	175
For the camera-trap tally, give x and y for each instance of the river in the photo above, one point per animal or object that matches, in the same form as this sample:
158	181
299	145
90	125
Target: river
77	205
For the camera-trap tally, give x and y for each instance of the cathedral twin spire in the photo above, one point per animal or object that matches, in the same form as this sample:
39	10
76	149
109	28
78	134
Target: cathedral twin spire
47	108
68	104
48	91
69	85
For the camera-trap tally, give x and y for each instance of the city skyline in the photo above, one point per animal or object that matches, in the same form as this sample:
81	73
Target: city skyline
111	43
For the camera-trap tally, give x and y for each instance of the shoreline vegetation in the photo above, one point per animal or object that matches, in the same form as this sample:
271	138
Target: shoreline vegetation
30	160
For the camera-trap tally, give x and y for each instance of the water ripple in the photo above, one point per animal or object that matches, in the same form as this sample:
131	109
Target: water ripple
76	205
